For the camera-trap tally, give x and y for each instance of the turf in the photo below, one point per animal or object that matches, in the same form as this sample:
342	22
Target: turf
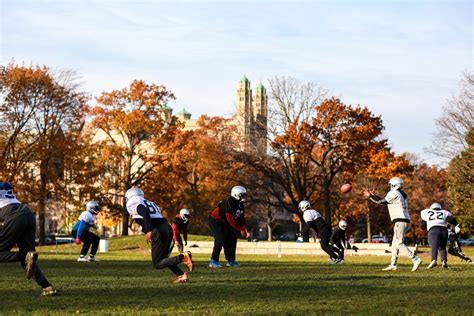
124	282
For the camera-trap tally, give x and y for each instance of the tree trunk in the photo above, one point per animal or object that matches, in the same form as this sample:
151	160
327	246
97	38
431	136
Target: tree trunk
126	186
269	227
369	231
42	201
327	205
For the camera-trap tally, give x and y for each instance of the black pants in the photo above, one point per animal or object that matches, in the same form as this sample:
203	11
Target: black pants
20	230
456	250
88	239
325	238
161	245
224	236
438	238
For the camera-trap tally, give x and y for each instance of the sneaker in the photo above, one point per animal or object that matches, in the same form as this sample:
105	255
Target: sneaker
92	259
214	264
82	259
432	264
470	262
49	291
188	260
335	261
444	264
390	268
182	278
416	263
30	260
232	264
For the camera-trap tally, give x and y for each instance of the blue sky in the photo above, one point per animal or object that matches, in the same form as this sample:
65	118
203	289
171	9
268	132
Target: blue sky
402	59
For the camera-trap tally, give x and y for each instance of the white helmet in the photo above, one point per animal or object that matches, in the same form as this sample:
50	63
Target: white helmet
304	205
133	192
239	193
343	225
93	207
185	214
396	183
435	206
6	191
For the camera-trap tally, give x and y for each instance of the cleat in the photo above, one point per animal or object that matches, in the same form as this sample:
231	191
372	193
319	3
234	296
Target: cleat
471	262
444	264
182	278
30	260
390	268
214	264
432	265
82	259
234	264
92	259
416	264
188	260
336	261
49	291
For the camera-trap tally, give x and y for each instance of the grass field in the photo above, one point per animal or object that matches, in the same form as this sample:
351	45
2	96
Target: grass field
124	282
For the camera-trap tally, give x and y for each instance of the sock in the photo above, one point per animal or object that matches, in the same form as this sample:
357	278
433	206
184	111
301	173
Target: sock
44	284
81	256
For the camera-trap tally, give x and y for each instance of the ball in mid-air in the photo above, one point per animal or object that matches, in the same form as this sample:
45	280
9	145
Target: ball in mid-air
346	187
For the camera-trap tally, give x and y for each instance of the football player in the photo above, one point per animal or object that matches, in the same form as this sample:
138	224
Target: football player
225	221
157	230
435	219
81	232
180	224
396	201
455	247
339	241
314	220
18	227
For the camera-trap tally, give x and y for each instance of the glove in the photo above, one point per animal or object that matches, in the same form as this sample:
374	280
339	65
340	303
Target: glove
355	248
185	242
457	229
77	241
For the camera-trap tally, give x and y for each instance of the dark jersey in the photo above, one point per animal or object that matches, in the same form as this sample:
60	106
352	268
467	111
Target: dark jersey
339	236
230	211
13	210
179	225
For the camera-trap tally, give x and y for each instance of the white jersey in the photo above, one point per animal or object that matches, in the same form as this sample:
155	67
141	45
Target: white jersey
87	217
311	215
135	201
397	205
435	217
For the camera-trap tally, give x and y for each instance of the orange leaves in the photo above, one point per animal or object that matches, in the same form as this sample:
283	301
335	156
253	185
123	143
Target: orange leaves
384	165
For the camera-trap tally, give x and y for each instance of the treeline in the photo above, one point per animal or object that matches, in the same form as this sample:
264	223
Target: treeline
60	148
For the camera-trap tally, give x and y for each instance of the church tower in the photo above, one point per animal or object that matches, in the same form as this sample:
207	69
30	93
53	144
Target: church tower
244	111
260	108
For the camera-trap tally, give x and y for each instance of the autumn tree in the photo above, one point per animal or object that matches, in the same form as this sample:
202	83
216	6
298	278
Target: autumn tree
38	107
130	125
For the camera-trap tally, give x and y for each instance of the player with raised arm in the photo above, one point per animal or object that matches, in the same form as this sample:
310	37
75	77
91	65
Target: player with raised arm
225	221
180	225
18	227
81	232
314	220
157	230
436	219
397	204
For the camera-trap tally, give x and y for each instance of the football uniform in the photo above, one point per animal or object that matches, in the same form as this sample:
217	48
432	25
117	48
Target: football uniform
314	220
180	225
338	239
82	231
436	222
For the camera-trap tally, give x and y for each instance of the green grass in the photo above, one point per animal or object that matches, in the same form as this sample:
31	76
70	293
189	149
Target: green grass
124	282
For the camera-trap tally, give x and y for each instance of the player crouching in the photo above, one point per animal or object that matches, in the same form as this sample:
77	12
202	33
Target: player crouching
157	231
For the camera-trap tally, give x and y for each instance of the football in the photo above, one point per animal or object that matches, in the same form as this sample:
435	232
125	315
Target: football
346	187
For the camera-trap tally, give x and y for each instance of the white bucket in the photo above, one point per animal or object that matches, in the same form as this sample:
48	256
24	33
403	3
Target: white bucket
104	245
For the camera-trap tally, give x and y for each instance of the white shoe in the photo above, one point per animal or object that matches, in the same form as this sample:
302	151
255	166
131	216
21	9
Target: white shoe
82	259
416	264
92	259
432	264
390	268
444	264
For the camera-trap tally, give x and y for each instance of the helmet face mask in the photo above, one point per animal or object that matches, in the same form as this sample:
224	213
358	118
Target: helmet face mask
343	225
396	183
135	191
239	193
304	205
185	214
93	207
6	191
435	206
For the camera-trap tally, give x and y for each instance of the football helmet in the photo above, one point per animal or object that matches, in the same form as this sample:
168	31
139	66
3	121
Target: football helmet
93	207
304	205
343	225
6	191
133	192
396	183
185	214
435	206
239	193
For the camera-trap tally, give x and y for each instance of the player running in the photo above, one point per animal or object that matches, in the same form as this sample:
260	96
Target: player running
314	220
396	201
435	219
455	247
81	232
157	230
180	224
225	221
18	227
